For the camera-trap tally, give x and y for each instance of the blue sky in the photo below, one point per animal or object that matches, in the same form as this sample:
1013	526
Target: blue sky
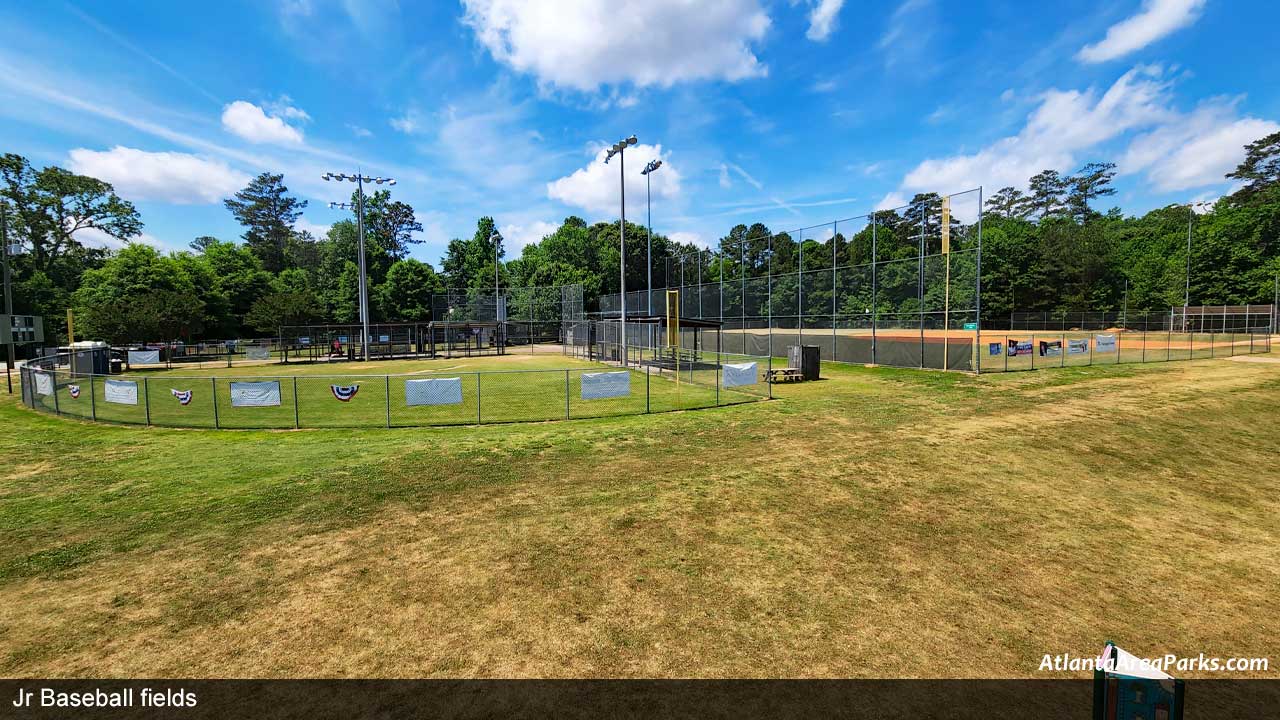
791	113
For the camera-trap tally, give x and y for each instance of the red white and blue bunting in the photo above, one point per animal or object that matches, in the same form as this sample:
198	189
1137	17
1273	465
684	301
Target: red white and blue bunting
74	391
184	396
344	392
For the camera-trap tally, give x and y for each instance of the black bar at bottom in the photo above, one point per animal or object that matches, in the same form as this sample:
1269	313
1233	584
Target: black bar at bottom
353	699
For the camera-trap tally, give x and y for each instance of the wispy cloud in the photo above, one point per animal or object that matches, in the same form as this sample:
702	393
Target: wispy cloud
1157	19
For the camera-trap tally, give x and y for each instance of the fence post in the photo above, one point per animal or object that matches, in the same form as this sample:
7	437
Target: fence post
53	374
478	416
1168	346
1006	353
296	423
387	378
93	402
566	395
146	397
1093	340
769	377
1063	349
1034	348
647	369
214	380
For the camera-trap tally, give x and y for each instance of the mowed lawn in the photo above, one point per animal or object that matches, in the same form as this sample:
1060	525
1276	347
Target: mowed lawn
875	523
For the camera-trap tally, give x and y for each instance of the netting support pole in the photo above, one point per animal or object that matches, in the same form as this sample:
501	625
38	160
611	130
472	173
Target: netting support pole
875	310
977	342
296	423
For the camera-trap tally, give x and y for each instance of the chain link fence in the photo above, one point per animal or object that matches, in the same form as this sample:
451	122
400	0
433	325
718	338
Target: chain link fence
896	287
277	401
1012	351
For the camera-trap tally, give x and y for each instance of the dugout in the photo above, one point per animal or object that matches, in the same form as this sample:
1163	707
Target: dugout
466	338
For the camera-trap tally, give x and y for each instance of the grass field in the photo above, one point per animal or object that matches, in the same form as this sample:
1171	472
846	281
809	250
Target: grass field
875	523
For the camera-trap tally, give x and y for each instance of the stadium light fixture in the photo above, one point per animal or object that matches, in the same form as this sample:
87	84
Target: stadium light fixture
359	179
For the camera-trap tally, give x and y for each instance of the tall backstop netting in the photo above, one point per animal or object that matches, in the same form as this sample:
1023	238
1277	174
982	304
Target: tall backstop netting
462	322
895	287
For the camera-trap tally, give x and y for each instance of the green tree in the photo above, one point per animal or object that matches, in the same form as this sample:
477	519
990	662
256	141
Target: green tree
268	213
278	309
1260	169
406	294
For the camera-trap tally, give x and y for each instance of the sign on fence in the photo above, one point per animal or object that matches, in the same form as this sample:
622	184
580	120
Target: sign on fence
1077	347
1105	343
257	352
433	391
598	386
1050	348
739	374
1020	347
44	383
995	348
124	392
144	357
255	394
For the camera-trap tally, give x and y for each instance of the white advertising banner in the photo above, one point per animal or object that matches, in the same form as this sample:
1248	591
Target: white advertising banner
44	383
144	357
739	374
598	386
255	394
255	352
1105	343
124	392
433	391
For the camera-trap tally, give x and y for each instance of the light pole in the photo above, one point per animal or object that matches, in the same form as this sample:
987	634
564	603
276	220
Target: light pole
1186	293
8	296
495	237
363	300
648	250
618	149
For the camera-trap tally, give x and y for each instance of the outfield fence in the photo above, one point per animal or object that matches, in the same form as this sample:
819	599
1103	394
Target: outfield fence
1012	351
273	401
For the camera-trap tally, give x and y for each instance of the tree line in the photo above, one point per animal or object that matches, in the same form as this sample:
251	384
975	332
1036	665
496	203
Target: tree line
1046	249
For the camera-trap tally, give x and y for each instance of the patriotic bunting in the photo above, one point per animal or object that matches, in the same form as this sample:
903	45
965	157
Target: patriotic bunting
184	396
74	391
344	392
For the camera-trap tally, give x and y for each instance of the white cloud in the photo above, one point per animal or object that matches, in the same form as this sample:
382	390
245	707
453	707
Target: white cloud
725	182
170	177
891	201
1157	19
409	123
690	238
908	39
516	237
589	43
93	237
1197	150
595	187
822	19
317	230
250	122
360	132
1065	123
